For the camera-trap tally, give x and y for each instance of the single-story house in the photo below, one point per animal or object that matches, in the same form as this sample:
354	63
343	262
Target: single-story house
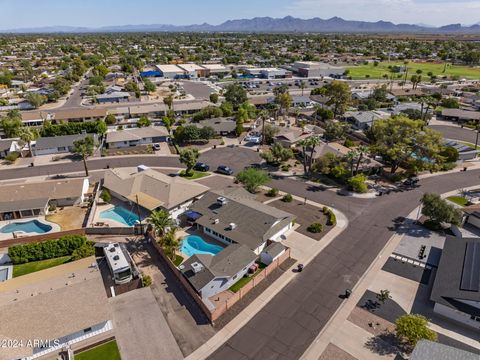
115	96
363	120
289	136
8	146
272	252
136	136
33	198
239	220
456	291
302	101
153	190
58	144
428	350
73	115
464	152
222	126
212	274
460	115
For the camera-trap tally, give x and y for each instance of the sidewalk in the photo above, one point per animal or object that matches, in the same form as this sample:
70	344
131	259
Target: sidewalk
304	257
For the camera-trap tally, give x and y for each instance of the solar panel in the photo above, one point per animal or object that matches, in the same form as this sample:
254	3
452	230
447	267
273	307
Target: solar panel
471	267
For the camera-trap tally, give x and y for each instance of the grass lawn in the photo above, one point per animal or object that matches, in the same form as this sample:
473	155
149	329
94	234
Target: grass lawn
107	351
178	260
377	72
195	175
23	269
459	200
245	280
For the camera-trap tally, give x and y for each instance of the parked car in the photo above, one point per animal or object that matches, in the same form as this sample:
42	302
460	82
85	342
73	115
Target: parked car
225	170
254	137
156	146
201	167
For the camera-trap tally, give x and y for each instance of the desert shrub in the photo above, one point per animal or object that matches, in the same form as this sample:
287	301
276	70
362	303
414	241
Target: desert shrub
315	228
272	192
287	198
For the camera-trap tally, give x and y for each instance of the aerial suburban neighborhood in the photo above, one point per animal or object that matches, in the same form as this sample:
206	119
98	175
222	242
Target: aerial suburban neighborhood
290	187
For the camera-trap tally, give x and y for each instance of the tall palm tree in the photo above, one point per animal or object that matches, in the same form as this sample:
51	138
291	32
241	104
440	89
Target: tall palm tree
297	113
362	150
313	142
27	136
263	116
171	243
161	221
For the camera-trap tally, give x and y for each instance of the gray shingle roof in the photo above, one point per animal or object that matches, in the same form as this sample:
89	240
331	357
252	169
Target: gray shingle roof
255	222
218	124
60	141
274	249
446	288
226	263
428	350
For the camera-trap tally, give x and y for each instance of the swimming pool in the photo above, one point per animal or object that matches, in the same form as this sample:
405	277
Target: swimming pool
121	215
32	226
193	244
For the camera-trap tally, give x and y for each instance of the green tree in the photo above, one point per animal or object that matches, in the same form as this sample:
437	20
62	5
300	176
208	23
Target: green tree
227	108
161	221
27	135
207	133
439	210
170	243
143	122
335	130
339	96
36	100
235	94
357	184
148	85
277	154
84	147
399	138
414	327
308	146
269	133
450	103
189	158
110	119
168	101
214	98
106	197
12	123
324	114
252	178
450	154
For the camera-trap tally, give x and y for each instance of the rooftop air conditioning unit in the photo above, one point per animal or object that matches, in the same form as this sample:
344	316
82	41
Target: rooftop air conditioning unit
197	267
233	226
216	221
221	201
141	168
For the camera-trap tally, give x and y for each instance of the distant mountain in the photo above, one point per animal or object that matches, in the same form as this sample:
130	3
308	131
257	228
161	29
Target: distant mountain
267	24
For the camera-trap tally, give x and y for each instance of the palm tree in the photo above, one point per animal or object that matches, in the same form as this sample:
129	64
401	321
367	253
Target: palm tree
263	116
297	113
351	158
27	136
302	86
171	243
161	221
362	150
308	144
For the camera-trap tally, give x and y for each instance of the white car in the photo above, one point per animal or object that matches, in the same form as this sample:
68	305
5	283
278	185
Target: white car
255	138
156	146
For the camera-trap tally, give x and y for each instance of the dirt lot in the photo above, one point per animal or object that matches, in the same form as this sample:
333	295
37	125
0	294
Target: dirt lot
68	218
134	150
306	215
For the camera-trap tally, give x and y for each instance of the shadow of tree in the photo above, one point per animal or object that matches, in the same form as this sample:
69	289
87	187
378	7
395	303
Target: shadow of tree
384	344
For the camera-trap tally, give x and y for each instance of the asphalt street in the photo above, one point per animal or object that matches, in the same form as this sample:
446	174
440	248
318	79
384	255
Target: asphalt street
456	133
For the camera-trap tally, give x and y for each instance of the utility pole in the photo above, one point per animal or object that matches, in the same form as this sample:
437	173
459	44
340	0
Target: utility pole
476	139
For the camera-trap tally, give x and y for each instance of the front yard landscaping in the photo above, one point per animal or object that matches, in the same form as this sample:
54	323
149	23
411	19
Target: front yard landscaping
107	351
246	279
195	175
459	200
134	150
30	267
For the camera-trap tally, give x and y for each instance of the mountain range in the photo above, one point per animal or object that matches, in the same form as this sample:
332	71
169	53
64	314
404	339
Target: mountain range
267	24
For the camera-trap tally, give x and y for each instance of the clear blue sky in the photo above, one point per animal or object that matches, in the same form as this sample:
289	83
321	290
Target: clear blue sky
94	13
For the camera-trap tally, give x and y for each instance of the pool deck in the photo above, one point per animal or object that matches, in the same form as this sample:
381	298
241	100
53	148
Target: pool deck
7	236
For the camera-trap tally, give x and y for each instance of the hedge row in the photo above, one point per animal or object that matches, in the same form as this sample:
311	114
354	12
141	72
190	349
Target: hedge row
332	219
66	245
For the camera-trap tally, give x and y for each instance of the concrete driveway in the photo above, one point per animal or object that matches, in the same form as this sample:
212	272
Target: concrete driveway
141	330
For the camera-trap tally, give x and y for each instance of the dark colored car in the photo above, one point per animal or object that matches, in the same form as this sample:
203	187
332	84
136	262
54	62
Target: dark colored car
201	167
223	169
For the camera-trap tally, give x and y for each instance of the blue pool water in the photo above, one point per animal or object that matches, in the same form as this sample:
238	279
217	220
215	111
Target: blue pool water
121	215
32	226
193	244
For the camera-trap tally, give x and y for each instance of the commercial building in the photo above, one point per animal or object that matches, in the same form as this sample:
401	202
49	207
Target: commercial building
269	73
233	219
152	189
169	71
212	274
215	69
316	69
456	291
193	71
33	199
